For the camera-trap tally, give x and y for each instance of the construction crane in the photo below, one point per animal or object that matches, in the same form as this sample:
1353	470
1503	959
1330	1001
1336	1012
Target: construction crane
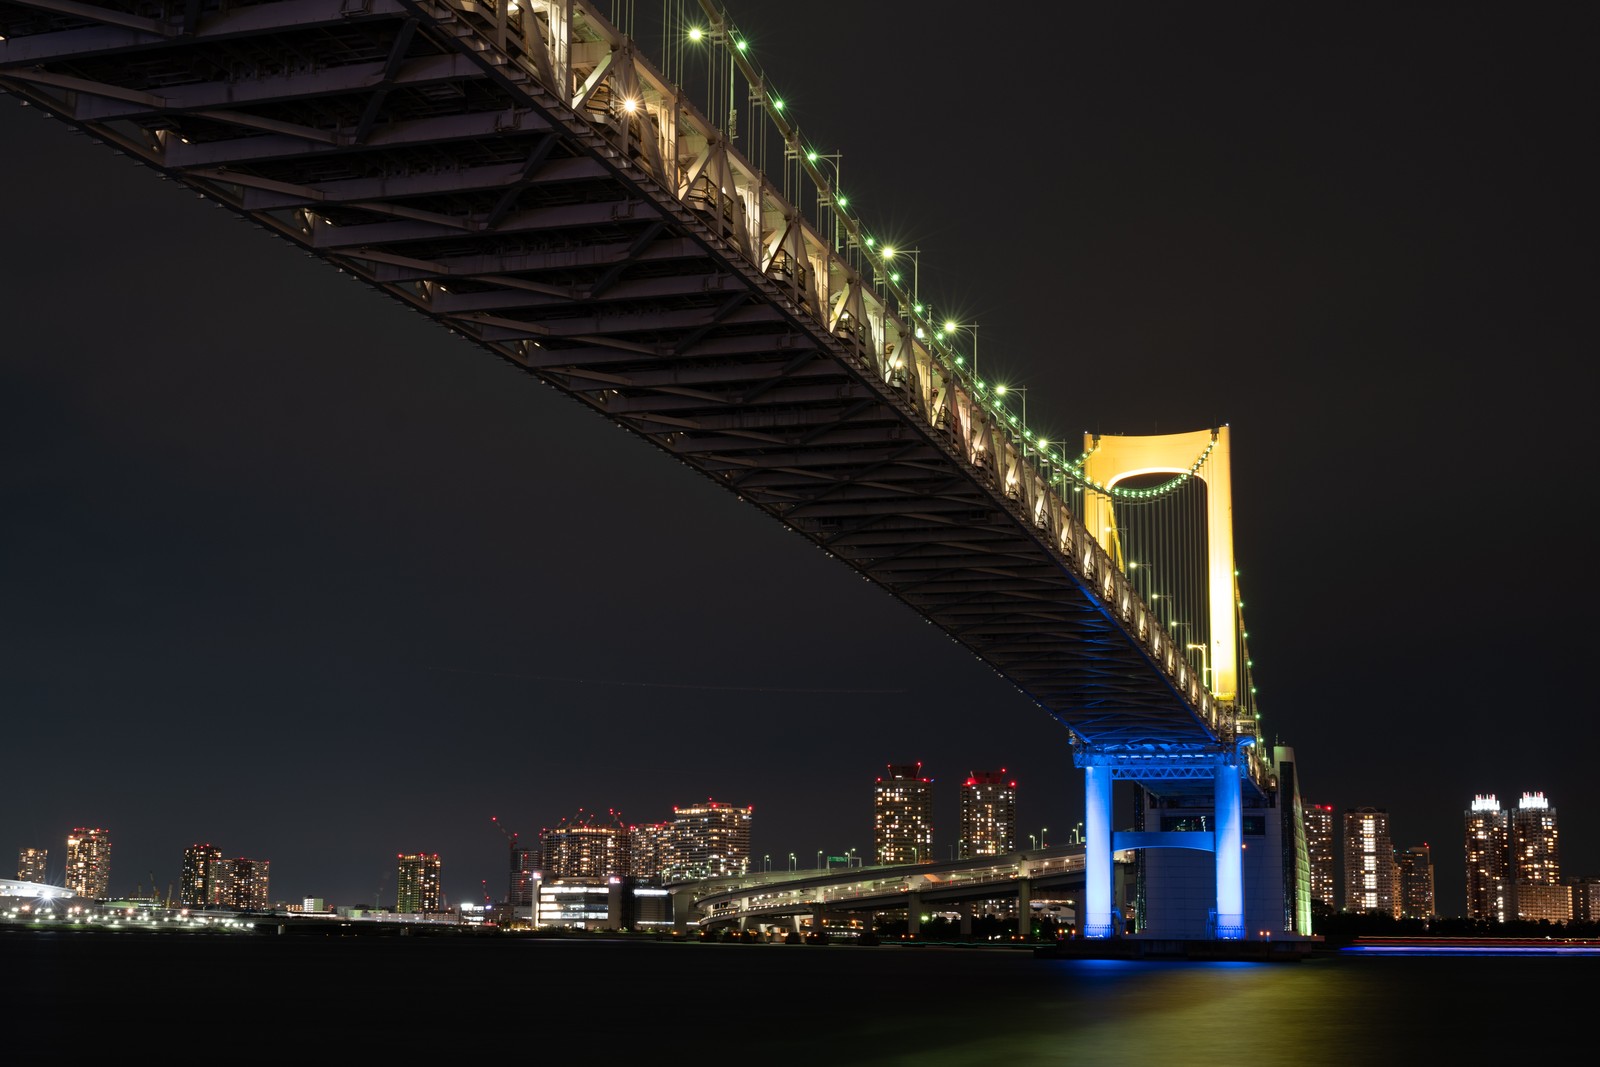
515	872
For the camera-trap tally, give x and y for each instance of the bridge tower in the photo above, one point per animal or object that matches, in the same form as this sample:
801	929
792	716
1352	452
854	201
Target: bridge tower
1109	461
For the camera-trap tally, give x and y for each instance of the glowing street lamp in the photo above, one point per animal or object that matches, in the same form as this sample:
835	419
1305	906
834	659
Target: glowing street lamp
890	252
951	327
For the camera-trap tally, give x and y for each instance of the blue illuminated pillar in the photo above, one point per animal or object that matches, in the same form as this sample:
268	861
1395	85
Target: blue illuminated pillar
1229	844
1097	851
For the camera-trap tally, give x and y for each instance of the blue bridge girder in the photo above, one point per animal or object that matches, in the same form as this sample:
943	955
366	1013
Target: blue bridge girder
463	159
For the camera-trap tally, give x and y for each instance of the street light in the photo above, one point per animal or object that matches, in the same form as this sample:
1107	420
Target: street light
951	327
766	862
1004	390
819	859
890	252
1033	841
1042	831
837	198
793	863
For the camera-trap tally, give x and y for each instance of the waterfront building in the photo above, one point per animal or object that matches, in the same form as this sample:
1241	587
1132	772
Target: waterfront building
709	840
1415	870
199	883
241	883
1320	847
585	845
902	818
1488	854
33	865
88	872
988	814
1586	900
417	883
1537	892
1369	867
650	850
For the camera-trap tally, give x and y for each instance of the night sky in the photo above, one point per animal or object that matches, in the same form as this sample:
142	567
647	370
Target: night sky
288	570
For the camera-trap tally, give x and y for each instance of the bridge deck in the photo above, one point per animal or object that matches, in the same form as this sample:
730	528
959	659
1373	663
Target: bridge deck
447	155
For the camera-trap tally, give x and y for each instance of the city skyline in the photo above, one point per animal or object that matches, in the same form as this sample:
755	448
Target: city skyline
260	518
1391	892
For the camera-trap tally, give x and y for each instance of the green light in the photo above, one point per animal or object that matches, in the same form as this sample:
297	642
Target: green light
842	200
894	276
811	156
961	361
918	309
870	241
777	103
741	45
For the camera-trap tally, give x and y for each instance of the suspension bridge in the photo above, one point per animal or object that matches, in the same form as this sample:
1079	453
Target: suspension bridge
638	222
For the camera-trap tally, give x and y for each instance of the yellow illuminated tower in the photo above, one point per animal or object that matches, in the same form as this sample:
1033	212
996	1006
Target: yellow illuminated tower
202	873
902	817
89	862
710	840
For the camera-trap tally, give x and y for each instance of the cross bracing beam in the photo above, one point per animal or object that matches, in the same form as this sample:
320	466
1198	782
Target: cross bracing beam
525	177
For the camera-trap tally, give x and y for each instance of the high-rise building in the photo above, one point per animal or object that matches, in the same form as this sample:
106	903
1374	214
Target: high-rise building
33	865
199	884
1369	868
988	814
1320	849
1586	900
417	883
1537	892
585	845
242	883
89	862
1415	869
1488	853
902	825
709	840
650	851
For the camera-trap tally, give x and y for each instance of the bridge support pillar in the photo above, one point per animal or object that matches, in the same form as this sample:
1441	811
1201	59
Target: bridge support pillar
964	910
1025	908
1229	842
913	914
1097	852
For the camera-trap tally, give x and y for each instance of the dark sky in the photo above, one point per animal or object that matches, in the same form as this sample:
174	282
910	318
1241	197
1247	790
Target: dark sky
288	570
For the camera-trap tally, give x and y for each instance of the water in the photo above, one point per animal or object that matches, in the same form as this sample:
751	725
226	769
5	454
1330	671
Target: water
166	997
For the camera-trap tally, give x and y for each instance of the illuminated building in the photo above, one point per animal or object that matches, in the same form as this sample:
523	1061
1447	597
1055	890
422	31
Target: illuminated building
709	840
1488	852
988	814
241	883
585	845
1537	892
1369	867
649	850
88	871
603	904
1415	868
417	883
33	865
902	817
1586	900
1320	848
199	883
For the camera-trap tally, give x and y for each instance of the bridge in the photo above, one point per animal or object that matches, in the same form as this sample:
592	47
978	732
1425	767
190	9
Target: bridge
525	174
787	899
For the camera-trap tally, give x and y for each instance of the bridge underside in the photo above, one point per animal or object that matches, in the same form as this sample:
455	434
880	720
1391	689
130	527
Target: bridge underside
385	139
